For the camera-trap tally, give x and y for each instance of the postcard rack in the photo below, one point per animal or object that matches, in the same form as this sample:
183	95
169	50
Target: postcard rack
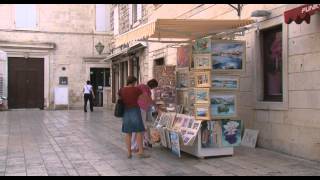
209	91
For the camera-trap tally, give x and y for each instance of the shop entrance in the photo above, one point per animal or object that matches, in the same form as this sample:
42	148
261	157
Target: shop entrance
25	83
100	78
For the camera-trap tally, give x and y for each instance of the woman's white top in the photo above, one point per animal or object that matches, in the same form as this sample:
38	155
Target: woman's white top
87	89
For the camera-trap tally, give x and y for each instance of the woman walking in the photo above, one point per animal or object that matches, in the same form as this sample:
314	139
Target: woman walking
132	120
88	95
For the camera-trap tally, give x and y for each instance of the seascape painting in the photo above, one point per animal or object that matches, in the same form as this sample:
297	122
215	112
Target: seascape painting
228	55
225	83
202	95
223	106
202	112
231	133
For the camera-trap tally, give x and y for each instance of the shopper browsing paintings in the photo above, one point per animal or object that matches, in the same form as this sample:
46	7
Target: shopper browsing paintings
132	119
146	105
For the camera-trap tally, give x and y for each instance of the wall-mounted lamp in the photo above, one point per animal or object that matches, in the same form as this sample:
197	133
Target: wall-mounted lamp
99	47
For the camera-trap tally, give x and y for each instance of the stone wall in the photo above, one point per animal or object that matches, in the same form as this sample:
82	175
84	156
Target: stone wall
290	127
71	28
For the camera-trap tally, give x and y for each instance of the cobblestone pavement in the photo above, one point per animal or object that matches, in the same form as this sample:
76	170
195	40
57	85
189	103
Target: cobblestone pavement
41	143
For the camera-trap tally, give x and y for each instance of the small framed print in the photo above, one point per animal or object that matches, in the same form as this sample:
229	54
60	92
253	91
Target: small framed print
202	61
202	46
203	79
202	112
229	83
202	95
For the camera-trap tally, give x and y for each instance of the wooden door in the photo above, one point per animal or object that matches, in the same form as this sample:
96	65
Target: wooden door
26	83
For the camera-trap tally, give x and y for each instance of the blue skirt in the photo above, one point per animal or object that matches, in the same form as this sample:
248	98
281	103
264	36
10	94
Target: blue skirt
132	121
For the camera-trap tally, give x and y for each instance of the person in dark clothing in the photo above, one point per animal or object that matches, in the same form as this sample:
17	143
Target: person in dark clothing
88	96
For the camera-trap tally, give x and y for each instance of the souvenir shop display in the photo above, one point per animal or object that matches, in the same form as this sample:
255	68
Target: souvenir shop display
212	83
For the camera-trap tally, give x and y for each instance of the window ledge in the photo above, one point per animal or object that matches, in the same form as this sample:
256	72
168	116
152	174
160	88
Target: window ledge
277	106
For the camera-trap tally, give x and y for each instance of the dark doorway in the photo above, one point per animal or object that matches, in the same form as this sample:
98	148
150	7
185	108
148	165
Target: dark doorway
26	83
100	78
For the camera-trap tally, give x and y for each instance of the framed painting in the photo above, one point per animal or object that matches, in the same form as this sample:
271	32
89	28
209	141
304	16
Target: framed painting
202	112
202	95
203	79
183	56
182	97
223	105
225	82
228	55
202	46
231	133
182	79
202	61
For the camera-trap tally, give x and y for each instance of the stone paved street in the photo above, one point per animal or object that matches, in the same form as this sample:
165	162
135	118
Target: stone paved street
73	143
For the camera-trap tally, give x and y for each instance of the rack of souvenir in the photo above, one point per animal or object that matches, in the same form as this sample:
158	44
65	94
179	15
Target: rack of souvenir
208	73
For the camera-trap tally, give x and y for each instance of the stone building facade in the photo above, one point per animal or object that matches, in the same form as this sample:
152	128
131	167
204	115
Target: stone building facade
290	124
64	37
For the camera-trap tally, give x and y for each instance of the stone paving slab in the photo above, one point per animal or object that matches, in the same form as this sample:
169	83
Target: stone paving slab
72	143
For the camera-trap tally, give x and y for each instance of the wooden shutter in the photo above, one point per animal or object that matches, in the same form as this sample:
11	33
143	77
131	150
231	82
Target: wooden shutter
139	11
101	19
130	15
25	16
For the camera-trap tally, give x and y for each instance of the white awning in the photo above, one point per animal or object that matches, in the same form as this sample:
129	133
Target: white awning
189	29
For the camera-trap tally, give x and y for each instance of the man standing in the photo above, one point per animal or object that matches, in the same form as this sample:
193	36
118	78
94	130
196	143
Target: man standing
88	95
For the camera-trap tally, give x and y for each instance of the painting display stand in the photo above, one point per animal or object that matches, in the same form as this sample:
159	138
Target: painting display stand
198	151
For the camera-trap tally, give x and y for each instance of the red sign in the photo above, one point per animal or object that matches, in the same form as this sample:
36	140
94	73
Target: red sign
302	13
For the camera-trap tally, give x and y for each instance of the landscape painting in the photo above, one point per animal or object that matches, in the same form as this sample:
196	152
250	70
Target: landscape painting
202	112
202	95
202	46
223	106
228	55
225	83
231	133
183	56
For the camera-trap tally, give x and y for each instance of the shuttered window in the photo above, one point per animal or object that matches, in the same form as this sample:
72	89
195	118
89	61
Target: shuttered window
25	16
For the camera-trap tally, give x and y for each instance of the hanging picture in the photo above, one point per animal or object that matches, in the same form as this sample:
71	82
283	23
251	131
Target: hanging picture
228	55
202	61
183	56
192	82
175	144
231	132
202	95
182	98
202	112
202	46
223	106
182	79
203	79
191	97
225	82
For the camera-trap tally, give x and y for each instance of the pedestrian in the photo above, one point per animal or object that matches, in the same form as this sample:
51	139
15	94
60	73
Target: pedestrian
145	103
132	120
88	96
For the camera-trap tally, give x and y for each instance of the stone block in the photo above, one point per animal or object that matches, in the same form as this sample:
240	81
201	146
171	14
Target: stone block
304	99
